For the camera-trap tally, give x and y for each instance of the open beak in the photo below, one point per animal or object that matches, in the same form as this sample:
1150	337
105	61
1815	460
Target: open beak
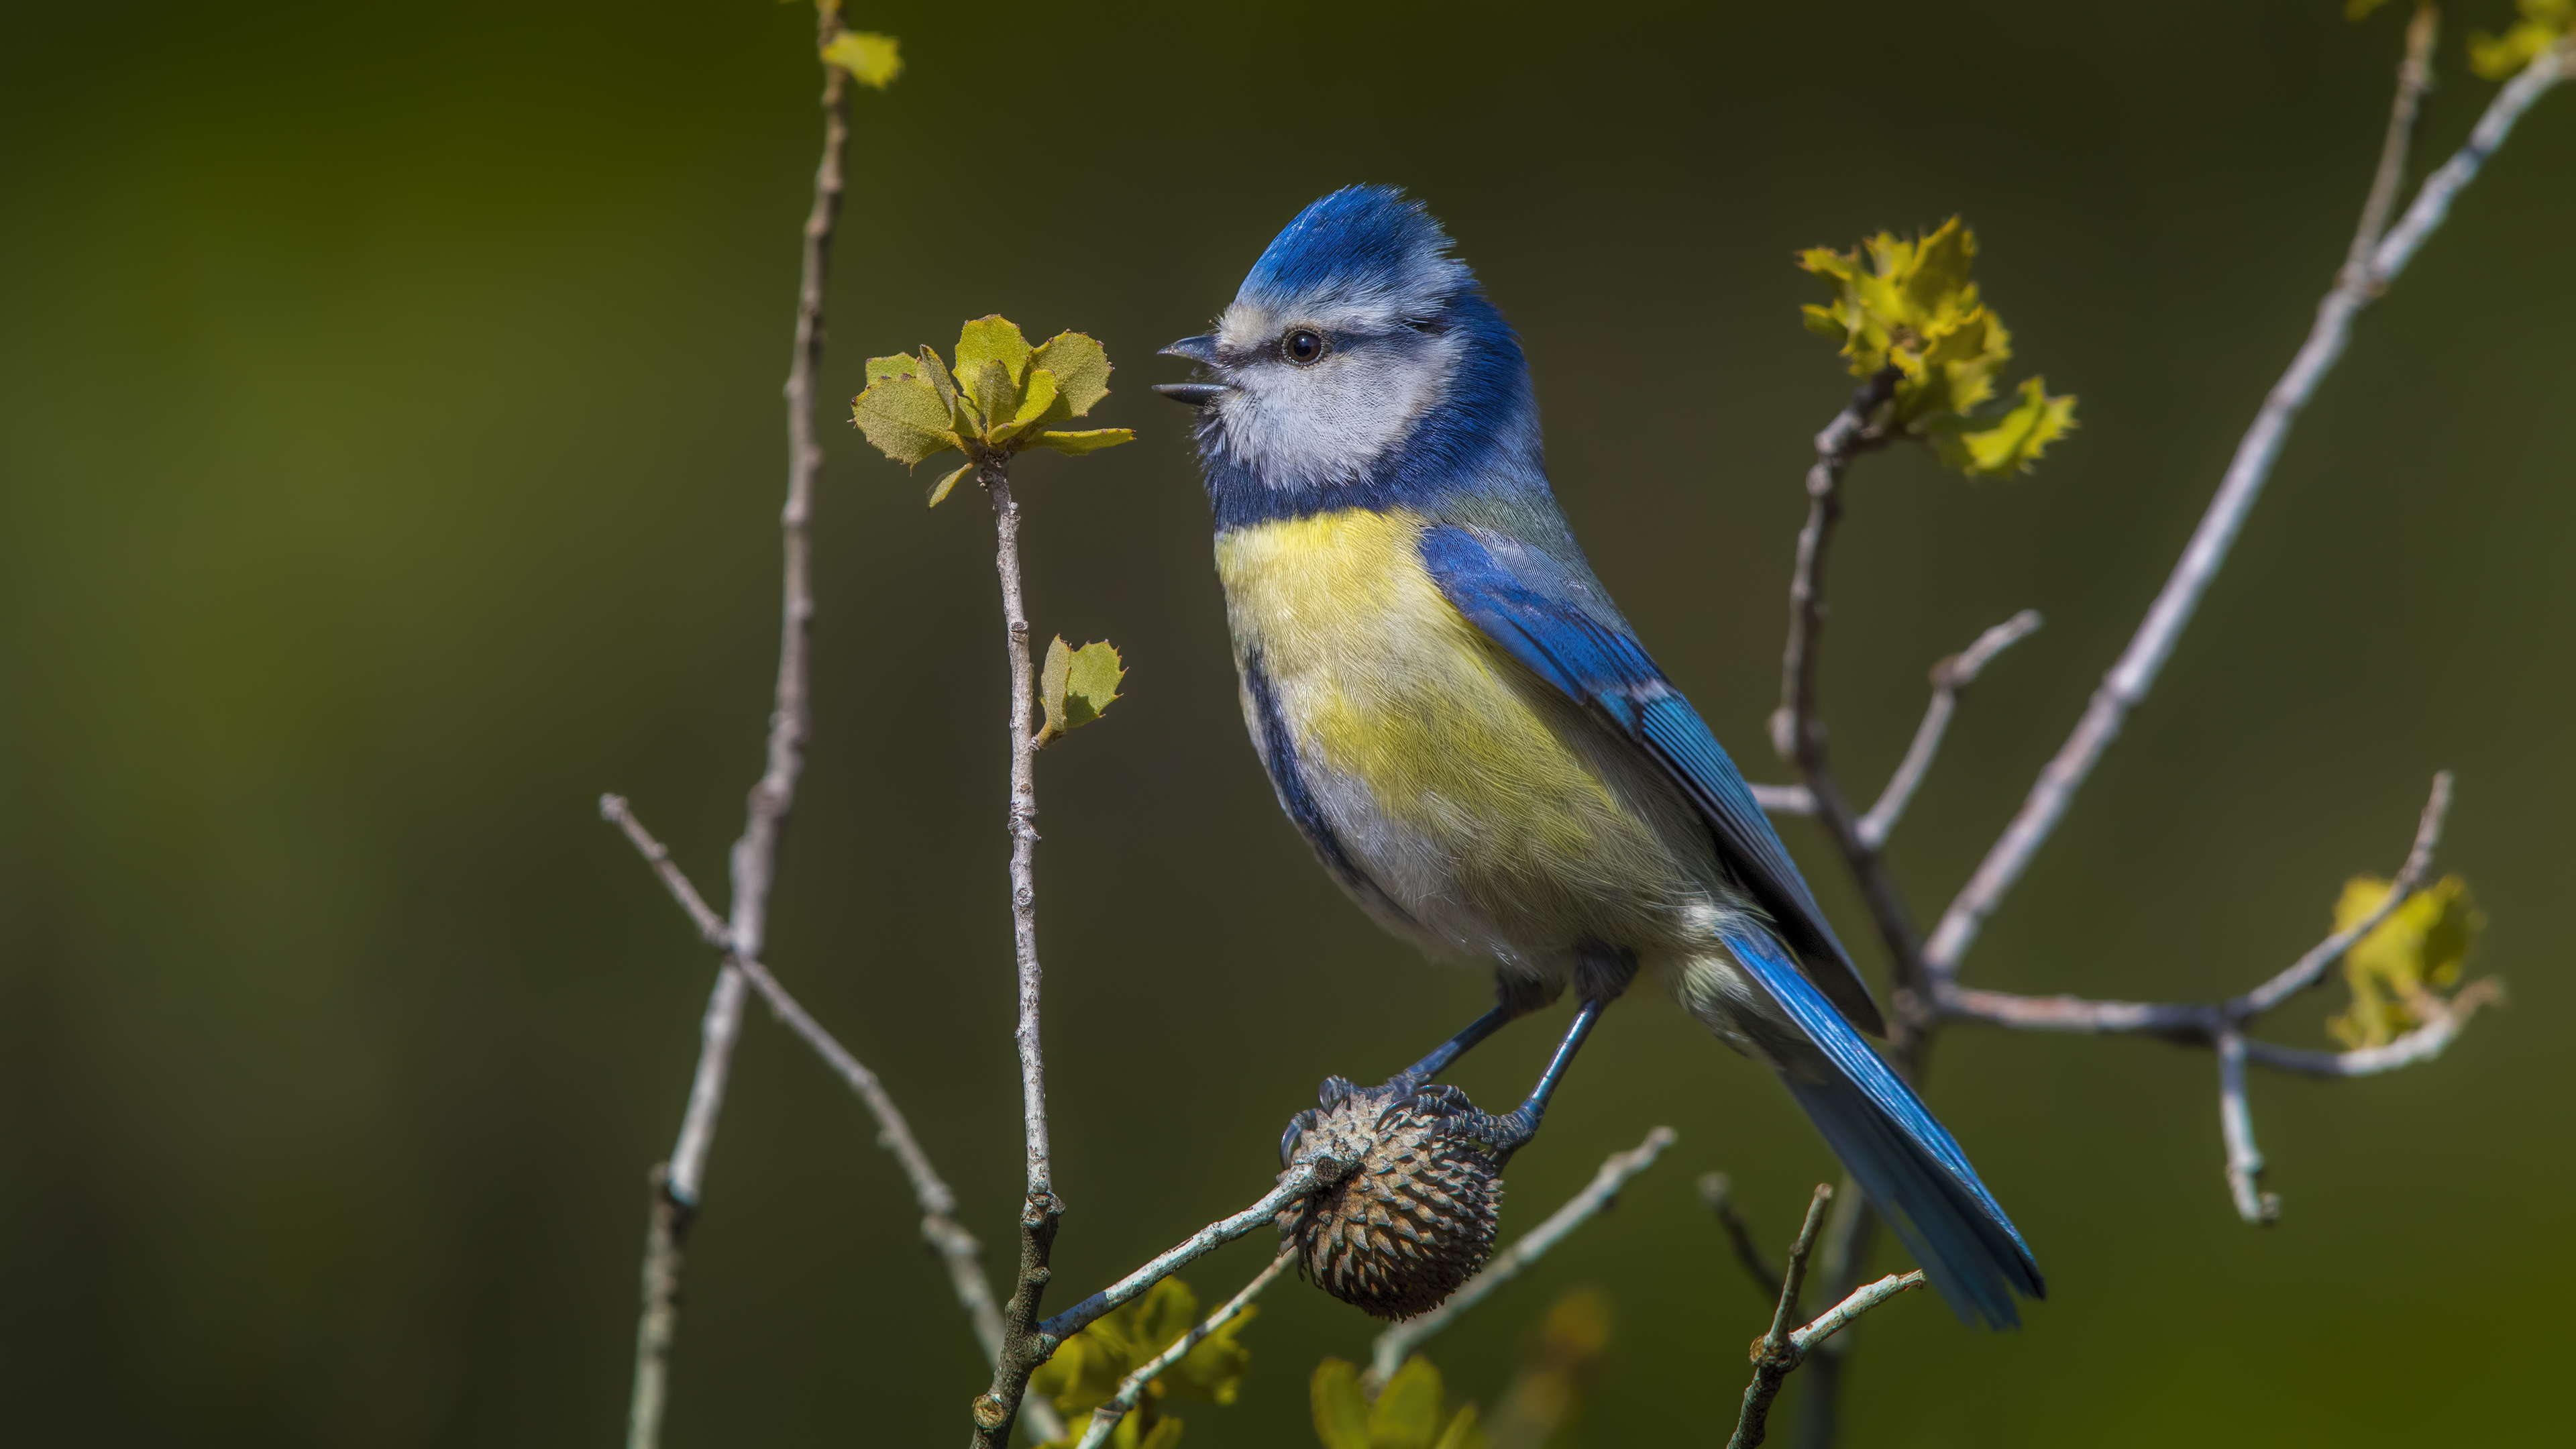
1201	350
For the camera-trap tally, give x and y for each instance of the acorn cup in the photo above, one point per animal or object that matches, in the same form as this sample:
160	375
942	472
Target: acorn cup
1410	1204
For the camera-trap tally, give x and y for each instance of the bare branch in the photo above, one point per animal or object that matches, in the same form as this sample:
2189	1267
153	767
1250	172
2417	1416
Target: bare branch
2199	1023
1131	1389
754	860
1779	1352
2414	78
1718	1193
2312	967
1773	1354
1784	799
2247	472
1400	1339
2236	1128
957	1248
2432	204
659	1323
1849	1234
1843	439
2444	1021
1950	678
1299	1180
1024	1344
1839	1317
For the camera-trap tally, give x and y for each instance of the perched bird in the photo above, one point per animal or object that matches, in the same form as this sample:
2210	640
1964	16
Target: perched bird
1467	732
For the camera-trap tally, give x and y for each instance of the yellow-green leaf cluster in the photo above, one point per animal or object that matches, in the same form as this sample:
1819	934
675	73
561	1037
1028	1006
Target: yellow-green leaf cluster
1910	305
2396	969
872	60
2544	23
1077	686
1411	1412
1004	397
1087	1369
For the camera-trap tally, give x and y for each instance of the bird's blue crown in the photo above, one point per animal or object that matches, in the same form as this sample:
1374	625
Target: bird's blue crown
1422	398
1359	245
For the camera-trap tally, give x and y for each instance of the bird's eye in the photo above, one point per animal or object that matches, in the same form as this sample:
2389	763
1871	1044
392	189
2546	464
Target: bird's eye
1303	347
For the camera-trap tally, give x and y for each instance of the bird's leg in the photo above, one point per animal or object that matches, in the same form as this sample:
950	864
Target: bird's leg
1599	978
1513	999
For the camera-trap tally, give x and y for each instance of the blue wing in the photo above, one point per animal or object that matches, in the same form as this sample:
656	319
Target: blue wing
1534	609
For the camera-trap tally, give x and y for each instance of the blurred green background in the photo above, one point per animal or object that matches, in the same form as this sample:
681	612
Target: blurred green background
390	432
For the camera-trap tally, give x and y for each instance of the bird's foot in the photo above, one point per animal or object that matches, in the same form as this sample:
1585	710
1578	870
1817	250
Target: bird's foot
1403	1093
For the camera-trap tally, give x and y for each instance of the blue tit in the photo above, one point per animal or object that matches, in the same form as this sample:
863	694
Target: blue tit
1468	733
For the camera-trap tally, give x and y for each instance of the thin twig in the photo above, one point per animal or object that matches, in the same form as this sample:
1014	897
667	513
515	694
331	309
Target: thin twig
1784	799
1024	1344
1300	1179
754	859
1131	1389
1798	731
2236	1128
2202	1023
2443	1023
2414	78
956	1246
1400	1339
1950	678
1839	1317
1774	1354
1849	1236
2247	472
2311	968
1719	1194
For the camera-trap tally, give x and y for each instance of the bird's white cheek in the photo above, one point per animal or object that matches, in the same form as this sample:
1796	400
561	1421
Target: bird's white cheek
1315	427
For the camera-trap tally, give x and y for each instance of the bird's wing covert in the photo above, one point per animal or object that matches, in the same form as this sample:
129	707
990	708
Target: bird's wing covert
1528	605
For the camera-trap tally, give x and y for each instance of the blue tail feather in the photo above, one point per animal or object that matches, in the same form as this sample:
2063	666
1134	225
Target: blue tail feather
1907	1163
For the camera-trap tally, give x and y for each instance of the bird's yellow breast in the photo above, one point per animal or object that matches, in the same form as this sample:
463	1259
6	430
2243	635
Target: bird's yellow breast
1435	752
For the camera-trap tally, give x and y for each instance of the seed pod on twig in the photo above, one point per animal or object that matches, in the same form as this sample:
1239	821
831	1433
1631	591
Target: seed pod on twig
1413	1211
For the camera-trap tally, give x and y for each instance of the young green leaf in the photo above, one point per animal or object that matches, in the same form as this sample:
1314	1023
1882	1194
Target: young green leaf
903	416
871	59
1037	401
1090	440
1912	306
1341	1410
1081	368
1076	686
993	338
940	381
1409	1411
995	392
939	490
2417	950
1462	1432
2544	23
2015	441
